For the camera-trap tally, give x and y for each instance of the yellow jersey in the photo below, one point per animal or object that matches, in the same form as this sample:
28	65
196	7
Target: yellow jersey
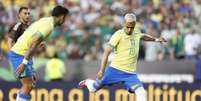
126	48
44	26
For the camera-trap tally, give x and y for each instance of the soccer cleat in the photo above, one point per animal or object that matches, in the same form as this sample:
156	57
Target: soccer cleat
82	84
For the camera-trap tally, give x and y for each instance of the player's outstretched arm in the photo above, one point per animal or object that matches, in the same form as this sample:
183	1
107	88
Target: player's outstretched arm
147	37
104	60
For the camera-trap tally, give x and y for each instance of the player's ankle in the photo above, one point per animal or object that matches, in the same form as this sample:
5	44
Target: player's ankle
90	85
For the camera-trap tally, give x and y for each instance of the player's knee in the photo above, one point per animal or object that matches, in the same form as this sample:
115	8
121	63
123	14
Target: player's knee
27	86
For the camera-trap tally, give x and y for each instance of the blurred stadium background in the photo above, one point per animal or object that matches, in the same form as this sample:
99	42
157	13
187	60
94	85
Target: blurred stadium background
170	73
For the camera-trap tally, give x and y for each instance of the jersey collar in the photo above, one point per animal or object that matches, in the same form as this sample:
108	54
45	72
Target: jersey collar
127	36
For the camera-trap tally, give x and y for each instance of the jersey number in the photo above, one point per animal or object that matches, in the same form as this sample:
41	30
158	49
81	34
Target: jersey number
132	49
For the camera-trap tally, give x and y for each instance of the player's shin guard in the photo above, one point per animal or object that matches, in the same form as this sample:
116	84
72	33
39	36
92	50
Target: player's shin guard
141	94
92	85
23	97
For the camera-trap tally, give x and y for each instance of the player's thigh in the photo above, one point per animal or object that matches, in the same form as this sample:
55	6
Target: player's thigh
111	76
132	82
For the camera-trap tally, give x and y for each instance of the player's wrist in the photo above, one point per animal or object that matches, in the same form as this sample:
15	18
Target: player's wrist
157	40
25	61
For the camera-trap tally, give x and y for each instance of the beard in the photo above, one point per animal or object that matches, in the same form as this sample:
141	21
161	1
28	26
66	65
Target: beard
128	33
25	20
58	24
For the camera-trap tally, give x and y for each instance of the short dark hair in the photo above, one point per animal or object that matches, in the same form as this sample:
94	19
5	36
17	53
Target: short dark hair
59	10
21	8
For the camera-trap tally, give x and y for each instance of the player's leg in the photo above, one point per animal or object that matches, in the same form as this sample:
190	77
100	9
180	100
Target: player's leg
25	77
24	94
134	85
111	76
28	82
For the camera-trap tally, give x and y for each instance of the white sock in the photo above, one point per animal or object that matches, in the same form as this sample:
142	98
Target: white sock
141	94
92	85
20	98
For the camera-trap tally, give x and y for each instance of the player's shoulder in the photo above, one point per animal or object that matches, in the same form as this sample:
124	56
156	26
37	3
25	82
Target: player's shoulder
137	31
46	19
15	26
119	32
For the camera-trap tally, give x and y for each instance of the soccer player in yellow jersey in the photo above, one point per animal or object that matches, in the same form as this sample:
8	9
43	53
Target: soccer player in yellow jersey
22	51
122	69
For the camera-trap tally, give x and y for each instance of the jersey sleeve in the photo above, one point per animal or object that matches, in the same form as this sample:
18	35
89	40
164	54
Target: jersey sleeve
45	28
114	40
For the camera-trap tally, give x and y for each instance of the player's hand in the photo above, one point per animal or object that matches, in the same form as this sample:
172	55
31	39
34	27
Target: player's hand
42	45
162	40
34	79
100	74
19	70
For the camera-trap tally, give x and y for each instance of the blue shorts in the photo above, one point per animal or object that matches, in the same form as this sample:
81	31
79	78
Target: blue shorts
114	76
16	60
